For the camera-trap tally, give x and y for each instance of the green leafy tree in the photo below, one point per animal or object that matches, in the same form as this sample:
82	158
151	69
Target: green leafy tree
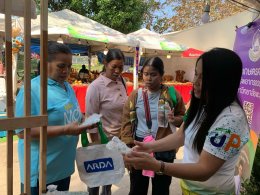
122	15
78	6
190	13
174	15
158	15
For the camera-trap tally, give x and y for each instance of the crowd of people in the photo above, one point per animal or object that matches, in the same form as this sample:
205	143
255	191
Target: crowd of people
212	130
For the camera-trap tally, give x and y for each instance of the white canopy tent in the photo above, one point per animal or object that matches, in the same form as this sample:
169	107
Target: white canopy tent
72	27
153	43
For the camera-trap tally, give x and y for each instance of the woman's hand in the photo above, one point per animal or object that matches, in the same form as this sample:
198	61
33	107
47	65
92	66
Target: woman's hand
142	147
127	165
76	129
142	160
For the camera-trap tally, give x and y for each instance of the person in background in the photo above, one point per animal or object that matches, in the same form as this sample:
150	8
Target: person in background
106	96
213	133
135	125
83	74
64	117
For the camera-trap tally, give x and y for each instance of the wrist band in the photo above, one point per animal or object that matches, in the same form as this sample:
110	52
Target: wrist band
162	167
161	171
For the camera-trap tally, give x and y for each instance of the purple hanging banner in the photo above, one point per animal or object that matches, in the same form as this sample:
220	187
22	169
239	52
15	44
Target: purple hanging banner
247	46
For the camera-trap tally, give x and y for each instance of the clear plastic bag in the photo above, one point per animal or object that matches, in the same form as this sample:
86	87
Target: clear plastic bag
52	191
117	145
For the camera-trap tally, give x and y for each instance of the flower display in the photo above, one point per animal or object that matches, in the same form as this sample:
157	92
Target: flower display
35	56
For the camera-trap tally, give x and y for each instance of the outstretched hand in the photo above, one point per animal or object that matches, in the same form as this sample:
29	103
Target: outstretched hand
76	129
142	147
141	160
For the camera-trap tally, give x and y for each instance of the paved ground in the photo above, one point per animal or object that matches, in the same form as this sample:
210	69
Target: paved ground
122	188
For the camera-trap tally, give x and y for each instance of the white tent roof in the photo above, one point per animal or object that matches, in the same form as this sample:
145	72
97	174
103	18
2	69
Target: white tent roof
72	26
220	33
148	39
152	41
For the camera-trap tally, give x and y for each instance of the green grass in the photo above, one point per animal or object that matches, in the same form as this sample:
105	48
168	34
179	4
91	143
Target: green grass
3	139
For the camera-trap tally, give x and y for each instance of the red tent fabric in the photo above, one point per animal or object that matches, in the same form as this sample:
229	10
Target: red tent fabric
192	53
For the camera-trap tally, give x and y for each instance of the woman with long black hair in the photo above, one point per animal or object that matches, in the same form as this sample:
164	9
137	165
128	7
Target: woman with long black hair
213	134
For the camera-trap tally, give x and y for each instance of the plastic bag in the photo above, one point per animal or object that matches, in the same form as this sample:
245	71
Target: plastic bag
99	166
52	191
118	145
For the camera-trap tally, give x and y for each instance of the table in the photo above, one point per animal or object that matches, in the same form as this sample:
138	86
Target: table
80	90
184	89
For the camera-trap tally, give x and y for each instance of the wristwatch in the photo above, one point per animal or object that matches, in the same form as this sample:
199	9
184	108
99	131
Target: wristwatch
161	171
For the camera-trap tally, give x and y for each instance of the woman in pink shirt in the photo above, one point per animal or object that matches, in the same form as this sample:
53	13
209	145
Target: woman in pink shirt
107	95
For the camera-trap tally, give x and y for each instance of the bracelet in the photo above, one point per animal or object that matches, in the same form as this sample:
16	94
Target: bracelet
161	171
162	167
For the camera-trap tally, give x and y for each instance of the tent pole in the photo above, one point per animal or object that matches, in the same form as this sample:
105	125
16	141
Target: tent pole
89	57
43	94
136	66
9	94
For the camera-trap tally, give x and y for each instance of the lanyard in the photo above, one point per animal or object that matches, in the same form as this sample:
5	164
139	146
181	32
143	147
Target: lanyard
147	110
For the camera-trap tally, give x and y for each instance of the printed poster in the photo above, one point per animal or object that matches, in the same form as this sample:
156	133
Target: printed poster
247	46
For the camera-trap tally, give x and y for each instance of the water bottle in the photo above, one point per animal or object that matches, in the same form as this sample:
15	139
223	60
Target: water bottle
163	110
